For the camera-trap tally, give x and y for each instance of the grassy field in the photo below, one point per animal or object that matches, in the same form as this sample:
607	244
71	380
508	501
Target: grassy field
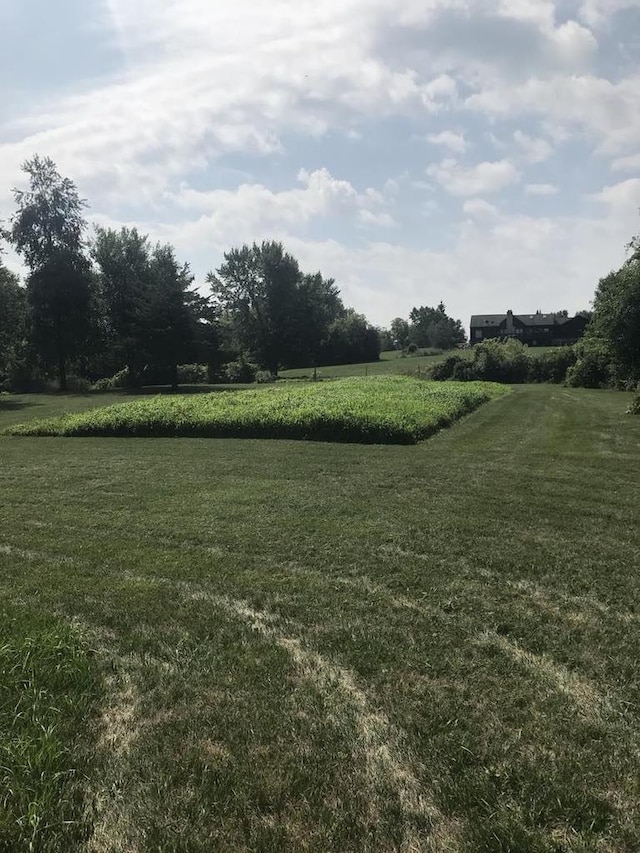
391	361
286	646
369	410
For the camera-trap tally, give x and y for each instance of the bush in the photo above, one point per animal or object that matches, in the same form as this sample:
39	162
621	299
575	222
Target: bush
634	408
263	377
192	374
239	372
594	366
551	366
111	383
78	384
506	361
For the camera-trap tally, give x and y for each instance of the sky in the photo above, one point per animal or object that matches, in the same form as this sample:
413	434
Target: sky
483	153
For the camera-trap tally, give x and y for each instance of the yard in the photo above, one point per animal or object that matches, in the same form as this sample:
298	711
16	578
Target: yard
259	645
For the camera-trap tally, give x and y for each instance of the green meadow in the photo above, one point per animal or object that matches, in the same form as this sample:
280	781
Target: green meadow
278	645
378	410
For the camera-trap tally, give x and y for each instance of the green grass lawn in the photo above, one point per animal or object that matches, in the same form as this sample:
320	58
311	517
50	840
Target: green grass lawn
284	646
391	361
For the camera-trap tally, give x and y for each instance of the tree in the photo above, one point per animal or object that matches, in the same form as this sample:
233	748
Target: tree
47	230
351	340
152	317
399	332
13	320
616	319
432	327
124	270
171	313
277	315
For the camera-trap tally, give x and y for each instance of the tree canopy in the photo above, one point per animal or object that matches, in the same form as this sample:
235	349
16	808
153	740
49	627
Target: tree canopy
47	230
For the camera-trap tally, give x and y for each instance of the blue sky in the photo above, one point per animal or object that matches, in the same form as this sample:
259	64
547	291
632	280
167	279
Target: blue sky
486	154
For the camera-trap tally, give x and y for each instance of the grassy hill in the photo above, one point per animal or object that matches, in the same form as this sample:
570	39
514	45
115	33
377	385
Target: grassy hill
392	361
285	646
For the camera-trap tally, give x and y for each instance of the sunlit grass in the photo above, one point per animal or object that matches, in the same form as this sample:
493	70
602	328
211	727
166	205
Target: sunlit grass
391	409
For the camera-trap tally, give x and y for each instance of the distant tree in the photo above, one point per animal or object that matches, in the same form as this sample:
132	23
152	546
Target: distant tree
318	305
153	319
432	327
275	314
399	330
13	321
123	260
386	340
172	314
47	230
351	340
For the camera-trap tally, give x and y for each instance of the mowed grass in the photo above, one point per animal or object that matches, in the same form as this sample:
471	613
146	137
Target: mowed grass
308	646
391	362
384	409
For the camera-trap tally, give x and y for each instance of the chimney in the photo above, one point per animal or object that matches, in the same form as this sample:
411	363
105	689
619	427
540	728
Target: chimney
510	328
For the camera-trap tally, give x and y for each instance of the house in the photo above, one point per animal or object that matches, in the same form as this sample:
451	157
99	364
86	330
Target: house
536	330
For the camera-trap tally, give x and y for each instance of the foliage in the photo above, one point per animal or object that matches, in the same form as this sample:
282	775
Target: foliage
594	367
615	324
389	409
350	340
152	317
13	325
239	371
47	230
192	374
117	381
280	317
432	327
506	361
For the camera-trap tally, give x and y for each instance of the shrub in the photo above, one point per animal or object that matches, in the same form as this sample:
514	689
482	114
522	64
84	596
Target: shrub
239	371
263	377
192	374
594	366
634	408
78	384
111	383
551	366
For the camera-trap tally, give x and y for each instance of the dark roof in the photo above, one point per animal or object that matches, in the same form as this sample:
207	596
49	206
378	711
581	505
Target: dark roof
488	319
525	319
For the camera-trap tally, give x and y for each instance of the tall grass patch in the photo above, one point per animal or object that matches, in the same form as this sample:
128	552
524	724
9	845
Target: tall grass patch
378	410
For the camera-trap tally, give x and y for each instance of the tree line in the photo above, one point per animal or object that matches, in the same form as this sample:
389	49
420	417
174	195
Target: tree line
116	302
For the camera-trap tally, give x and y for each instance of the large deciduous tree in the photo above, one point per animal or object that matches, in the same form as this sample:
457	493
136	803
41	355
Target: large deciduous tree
432	327
124	271
616	317
152	317
276	314
47	230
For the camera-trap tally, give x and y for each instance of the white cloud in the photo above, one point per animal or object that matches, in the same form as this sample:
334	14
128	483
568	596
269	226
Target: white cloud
534	150
479	208
253	211
540	189
597	13
627	164
449	139
622	198
483	178
609	112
